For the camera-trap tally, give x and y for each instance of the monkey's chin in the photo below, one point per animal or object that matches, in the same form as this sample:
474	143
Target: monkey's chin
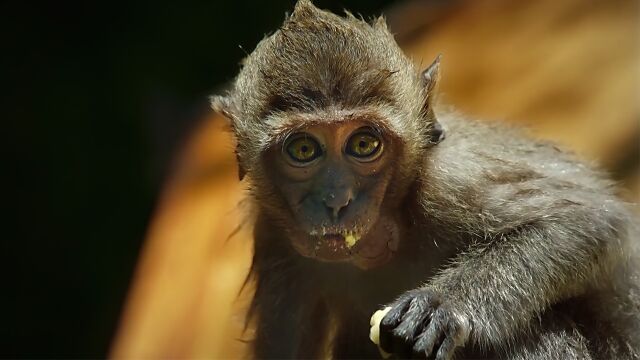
372	250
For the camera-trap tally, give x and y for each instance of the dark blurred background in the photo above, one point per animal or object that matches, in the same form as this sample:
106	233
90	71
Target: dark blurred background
99	96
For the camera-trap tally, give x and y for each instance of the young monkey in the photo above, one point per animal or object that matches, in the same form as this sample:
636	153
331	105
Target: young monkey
483	244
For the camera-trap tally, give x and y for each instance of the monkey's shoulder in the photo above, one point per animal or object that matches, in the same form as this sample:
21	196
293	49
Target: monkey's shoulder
495	177
496	154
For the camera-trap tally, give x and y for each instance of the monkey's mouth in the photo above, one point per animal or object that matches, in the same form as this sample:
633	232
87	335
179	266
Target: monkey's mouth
335	246
365	247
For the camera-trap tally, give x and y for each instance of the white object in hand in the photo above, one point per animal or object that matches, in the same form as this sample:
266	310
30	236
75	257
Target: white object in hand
374	332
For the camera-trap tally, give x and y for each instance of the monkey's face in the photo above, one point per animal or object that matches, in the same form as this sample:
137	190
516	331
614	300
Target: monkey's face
334	180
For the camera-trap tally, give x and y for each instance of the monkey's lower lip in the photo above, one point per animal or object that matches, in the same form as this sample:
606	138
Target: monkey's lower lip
334	241
332	247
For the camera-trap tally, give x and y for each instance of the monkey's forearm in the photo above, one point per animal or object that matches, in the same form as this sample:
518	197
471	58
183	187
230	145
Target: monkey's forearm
503	285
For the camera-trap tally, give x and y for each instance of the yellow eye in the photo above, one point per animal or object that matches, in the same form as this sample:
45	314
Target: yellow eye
363	145
303	148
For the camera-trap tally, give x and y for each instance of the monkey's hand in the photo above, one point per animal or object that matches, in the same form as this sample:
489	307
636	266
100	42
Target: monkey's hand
423	323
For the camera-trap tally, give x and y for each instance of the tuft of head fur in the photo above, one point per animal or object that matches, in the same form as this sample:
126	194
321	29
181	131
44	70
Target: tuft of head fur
321	63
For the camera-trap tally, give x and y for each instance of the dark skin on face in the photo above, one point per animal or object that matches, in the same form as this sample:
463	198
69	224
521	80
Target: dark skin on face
333	177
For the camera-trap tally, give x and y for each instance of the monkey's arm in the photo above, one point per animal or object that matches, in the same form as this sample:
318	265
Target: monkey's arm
543	228
533	238
502	285
496	286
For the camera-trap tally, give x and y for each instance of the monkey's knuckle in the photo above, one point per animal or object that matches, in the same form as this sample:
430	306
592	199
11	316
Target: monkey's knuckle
403	333
402	303
419	346
432	297
387	324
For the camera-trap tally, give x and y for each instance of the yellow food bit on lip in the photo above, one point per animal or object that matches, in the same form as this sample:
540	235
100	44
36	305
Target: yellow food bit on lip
374	332
350	240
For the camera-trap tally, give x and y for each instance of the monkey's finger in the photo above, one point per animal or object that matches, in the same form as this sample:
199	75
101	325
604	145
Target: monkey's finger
446	349
414	320
433	335
390	321
395	315
420	346
401	343
425	350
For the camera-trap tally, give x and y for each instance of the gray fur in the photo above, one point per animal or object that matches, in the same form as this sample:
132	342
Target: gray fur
366	70
527	244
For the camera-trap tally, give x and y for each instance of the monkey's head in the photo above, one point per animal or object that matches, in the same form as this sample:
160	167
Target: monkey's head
332	122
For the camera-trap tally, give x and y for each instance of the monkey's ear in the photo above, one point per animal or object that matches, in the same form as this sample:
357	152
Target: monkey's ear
431	75
437	133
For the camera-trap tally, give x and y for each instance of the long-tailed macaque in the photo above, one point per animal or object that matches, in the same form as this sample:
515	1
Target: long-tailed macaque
483	243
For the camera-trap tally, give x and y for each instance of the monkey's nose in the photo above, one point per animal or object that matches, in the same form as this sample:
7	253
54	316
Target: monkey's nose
336	202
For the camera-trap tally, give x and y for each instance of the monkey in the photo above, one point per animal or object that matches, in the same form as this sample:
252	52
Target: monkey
483	242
